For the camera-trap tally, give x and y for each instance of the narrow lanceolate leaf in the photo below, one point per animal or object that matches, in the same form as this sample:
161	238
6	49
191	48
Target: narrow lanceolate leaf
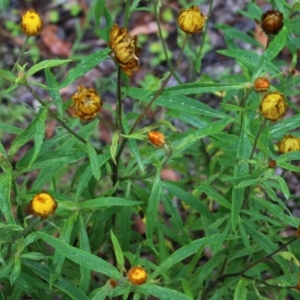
94	161
5	186
152	209
86	64
39	133
240	292
161	292
46	64
97	203
33	128
274	48
82	258
114	145
54	93
241	169
63	284
182	254
118	251
173	100
84	244
7	75
194	137
59	258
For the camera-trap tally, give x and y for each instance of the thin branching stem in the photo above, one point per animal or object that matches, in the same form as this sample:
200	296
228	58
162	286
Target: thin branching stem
162	39
119	103
143	113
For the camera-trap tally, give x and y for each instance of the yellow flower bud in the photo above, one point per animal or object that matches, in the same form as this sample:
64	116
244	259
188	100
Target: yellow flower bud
191	20
273	106
289	143
156	138
42	205
124	49
31	23
261	84
87	103
137	275
272	21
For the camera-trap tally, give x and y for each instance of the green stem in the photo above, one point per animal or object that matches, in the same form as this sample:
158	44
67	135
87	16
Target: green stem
162	39
119	103
21	53
205	30
257	136
126	13
155	96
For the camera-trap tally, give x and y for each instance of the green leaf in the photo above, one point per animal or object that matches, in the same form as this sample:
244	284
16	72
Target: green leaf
118	251
86	64
15	271
63	284
7	75
161	292
175	101
84	244
240	292
152	209
281	128
28	133
189	199
10	128
46	64
114	146
283	185
98	10
82	258
175	219
39	133
212	193
97	203
275	46
56	157
194	137
94	161
238	34
6	269
262	240
181	254
289	256
133	146
5	187
241	168
244	236
250	59
33	256
54	93
59	258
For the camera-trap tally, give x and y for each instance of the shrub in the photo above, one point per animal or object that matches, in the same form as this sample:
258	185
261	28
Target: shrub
81	219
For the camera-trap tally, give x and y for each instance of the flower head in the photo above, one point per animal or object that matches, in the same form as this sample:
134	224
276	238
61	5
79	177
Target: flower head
87	103
191	20
273	106
271	22
156	138
124	49
261	84
42	205
289	143
137	275
31	23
